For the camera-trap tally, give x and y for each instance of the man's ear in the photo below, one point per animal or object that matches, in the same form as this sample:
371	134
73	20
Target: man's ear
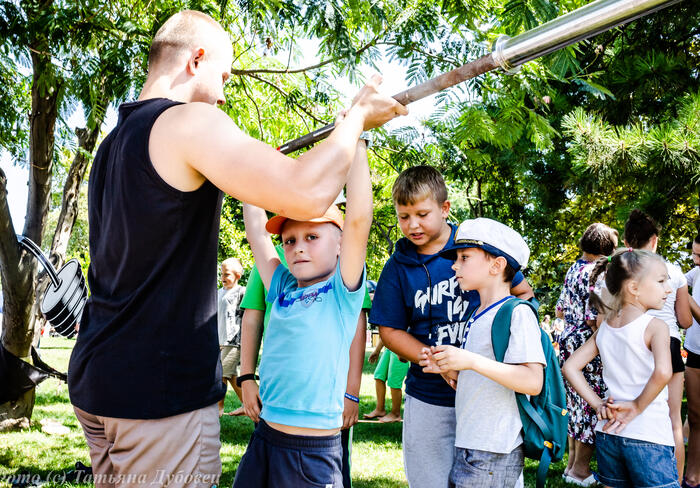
195	58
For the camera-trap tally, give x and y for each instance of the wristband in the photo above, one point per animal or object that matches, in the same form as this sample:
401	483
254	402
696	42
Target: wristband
246	377
352	398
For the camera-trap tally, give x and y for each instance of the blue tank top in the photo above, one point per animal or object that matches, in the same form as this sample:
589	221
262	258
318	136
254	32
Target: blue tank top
148	345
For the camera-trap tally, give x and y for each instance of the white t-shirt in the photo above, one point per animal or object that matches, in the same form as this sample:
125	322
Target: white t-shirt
668	312
227	320
692	335
487	413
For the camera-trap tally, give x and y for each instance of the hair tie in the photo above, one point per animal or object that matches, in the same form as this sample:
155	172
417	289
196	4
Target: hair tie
591	288
610	259
629	249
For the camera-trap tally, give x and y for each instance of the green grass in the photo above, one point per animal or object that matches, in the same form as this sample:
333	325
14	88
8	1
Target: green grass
376	458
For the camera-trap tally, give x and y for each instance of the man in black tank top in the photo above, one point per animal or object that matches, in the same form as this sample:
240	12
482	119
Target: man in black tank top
144	376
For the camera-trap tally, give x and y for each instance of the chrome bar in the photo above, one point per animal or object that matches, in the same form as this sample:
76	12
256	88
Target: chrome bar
582	23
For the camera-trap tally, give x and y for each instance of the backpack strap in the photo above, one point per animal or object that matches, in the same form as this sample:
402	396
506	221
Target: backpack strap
545	461
500	337
500	330
526	406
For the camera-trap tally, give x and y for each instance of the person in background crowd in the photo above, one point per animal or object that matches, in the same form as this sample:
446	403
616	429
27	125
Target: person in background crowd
580	321
692	373
390	371
228	320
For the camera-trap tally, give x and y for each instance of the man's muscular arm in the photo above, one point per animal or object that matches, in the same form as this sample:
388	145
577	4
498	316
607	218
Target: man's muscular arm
196	141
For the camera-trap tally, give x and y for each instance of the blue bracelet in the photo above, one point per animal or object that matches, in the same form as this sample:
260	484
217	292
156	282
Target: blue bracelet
352	397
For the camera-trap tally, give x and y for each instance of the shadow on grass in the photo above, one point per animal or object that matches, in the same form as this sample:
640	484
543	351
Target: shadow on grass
378	483
378	433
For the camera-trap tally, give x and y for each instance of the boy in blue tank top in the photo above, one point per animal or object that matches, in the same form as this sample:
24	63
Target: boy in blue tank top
418	302
315	305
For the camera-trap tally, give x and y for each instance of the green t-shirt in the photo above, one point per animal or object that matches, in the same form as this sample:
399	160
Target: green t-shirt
256	294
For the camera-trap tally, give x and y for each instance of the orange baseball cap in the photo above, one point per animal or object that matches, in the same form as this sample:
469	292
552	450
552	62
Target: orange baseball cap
332	215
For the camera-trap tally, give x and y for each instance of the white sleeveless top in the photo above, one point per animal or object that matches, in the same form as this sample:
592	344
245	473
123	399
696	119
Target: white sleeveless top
627	366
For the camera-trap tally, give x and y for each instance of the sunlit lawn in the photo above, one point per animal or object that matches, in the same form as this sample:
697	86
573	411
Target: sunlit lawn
376	459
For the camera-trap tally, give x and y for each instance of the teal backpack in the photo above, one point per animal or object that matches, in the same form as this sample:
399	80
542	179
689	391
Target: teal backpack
544	416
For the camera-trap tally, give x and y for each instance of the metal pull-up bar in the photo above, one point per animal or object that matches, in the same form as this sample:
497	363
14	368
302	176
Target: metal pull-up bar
511	52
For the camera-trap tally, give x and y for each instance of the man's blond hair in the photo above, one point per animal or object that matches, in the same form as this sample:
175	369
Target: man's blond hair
181	32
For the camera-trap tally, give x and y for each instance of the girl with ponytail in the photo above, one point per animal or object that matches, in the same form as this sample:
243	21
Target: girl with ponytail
634	437
641	232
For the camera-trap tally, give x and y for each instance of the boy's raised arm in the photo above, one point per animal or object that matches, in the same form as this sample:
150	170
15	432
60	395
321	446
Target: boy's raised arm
358	220
260	242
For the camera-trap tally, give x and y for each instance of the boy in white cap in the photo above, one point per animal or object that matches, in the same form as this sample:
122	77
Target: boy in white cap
487	255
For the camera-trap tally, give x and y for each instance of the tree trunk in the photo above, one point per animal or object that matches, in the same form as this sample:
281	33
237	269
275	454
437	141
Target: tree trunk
16	415
18	268
17	271
87	139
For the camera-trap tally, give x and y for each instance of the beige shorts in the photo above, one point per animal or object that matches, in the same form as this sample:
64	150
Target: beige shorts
230	358
177	451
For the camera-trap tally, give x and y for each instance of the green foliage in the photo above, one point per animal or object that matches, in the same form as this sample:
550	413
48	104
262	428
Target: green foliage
232	241
585	133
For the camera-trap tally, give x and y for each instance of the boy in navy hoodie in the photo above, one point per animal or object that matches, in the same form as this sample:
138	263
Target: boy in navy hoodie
418	302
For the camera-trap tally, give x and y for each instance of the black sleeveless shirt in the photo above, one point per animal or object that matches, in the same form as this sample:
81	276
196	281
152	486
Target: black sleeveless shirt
148	345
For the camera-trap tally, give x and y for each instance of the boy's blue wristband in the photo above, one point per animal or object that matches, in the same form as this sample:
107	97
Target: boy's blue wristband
352	397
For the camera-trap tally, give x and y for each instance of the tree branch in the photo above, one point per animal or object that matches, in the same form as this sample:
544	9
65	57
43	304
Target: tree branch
452	62
385	231
241	72
387	161
87	139
257	110
17	270
286	95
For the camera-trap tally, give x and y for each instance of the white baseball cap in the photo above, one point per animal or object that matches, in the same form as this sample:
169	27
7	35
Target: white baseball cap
493	237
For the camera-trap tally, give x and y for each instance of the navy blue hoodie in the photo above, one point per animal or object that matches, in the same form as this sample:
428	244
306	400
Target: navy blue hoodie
419	293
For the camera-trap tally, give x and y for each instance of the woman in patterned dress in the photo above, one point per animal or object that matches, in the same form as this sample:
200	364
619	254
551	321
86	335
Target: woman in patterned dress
598	240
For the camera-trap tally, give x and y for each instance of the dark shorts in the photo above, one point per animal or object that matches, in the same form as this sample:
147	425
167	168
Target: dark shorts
676	358
693	360
274	459
624	462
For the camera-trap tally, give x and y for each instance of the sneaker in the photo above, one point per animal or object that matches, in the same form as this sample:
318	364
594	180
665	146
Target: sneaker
590	481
